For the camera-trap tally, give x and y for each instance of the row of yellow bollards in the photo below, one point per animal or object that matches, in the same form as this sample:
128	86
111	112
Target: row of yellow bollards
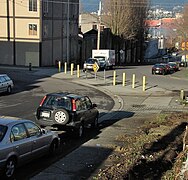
72	68
133	81
114	76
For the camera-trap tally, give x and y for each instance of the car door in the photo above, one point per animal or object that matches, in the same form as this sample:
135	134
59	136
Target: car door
2	84
81	110
91	112
20	142
40	141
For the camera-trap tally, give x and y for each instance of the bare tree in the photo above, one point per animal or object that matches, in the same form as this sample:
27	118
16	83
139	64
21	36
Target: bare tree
125	17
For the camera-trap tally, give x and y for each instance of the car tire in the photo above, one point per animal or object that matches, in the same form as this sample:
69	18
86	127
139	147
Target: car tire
95	122
79	131
9	89
61	116
53	147
10	168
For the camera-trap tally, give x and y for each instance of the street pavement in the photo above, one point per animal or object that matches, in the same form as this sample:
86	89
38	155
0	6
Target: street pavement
130	103
85	161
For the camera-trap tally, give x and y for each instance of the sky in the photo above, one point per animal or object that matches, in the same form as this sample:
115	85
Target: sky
92	5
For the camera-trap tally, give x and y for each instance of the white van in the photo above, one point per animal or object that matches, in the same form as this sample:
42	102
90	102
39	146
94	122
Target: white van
6	84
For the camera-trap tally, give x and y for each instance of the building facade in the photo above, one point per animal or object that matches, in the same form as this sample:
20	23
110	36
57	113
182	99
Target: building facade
38	32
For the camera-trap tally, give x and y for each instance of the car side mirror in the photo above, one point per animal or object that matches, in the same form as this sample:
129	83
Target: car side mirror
94	105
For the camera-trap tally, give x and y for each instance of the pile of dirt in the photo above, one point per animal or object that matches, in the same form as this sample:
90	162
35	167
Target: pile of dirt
154	153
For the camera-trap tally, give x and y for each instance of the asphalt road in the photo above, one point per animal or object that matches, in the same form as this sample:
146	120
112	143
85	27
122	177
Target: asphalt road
168	82
22	103
30	89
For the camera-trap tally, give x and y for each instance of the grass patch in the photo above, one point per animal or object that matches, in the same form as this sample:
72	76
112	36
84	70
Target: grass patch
154	153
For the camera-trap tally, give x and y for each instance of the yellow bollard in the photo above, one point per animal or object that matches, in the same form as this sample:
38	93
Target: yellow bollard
114	78
133	81
182	94
124	79
72	68
144	83
65	68
78	70
59	65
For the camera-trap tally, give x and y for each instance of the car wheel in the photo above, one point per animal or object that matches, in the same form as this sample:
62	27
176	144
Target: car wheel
61	116
53	147
9	89
10	168
79	131
95	122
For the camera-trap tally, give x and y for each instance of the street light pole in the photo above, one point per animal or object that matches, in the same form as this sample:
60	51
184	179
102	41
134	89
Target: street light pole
68	32
99	26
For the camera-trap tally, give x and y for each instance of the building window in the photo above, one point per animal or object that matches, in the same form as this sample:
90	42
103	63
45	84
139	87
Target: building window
45	31
95	26
102	28
45	6
32	5
32	29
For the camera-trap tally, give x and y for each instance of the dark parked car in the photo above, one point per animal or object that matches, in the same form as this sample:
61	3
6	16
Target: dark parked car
22	141
67	111
174	66
169	69
183	64
159	69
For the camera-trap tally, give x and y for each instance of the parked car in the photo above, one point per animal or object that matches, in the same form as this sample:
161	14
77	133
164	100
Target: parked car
174	66
22	141
67	111
159	69
101	62
6	84
88	65
169	70
183	64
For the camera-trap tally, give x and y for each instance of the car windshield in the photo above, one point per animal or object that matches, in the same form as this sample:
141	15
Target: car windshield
159	65
3	130
91	61
58	101
100	59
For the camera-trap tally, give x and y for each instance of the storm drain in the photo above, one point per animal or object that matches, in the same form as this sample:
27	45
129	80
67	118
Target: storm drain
138	105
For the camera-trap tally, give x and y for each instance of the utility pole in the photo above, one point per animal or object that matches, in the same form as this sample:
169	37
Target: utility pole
99	26
68	31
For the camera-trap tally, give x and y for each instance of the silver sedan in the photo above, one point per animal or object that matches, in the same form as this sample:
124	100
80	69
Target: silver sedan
22	141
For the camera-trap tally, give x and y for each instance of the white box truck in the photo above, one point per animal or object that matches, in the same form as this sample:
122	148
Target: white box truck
106	57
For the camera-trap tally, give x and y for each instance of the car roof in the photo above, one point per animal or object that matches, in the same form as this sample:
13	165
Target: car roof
158	64
3	74
6	121
65	94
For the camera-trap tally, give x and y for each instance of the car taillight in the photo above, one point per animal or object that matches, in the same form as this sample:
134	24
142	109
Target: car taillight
73	105
41	103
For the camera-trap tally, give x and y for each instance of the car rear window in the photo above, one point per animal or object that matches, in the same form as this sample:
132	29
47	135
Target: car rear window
56	101
3	130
